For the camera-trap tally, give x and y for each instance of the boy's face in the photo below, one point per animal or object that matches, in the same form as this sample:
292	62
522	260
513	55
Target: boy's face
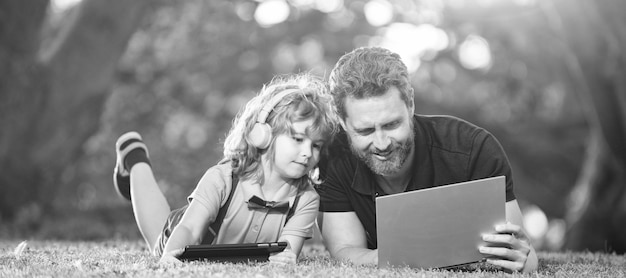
296	154
380	130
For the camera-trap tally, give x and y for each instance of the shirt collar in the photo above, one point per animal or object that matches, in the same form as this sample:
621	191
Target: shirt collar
249	187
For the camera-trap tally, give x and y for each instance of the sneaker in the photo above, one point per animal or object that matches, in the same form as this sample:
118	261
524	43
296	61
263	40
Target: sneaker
121	175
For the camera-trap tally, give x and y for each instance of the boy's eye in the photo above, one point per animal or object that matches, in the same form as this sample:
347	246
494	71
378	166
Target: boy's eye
297	139
318	145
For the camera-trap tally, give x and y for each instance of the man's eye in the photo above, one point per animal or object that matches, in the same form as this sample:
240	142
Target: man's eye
318	145
364	132
392	125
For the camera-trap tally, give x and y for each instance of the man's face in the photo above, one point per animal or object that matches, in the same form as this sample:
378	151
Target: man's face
380	130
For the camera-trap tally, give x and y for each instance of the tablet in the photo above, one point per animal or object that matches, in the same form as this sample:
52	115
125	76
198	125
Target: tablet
244	252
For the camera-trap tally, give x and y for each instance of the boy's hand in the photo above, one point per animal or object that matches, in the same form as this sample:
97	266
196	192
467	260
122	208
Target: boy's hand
171	257
285	257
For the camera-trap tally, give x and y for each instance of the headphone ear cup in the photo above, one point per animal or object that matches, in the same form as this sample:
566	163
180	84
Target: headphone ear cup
260	136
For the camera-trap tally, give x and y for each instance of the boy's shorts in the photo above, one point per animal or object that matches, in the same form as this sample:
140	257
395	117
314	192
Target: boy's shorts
172	220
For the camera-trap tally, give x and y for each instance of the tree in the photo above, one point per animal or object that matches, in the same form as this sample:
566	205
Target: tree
52	95
578	46
596	212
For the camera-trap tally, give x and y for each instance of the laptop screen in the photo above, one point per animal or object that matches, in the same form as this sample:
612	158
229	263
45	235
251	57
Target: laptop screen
440	226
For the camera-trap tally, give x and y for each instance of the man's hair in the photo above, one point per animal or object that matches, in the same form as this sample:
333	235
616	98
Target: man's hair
310	101
367	72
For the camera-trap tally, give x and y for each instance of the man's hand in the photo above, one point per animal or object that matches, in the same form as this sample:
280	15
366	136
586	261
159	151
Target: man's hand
171	258
508	247
286	257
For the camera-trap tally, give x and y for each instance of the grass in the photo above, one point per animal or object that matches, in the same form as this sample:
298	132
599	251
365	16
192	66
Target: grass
129	258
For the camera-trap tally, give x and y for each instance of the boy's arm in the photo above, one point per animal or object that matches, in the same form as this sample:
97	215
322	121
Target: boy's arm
290	254
298	228
190	230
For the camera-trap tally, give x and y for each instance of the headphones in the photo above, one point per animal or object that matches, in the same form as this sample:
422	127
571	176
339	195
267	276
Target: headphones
261	134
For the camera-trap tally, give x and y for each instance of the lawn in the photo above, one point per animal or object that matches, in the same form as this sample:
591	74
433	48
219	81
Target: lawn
130	258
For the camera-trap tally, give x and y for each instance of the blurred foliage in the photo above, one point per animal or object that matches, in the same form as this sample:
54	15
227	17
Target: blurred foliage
193	64
185	76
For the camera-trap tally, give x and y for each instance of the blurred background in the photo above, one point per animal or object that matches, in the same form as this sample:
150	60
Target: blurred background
547	78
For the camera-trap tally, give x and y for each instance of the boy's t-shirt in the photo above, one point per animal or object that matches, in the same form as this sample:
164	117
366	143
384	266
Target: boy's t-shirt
245	225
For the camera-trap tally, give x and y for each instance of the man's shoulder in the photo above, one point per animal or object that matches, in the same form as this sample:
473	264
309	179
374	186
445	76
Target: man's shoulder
448	132
447	123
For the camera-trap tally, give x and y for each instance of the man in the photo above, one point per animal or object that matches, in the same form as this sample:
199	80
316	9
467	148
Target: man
384	148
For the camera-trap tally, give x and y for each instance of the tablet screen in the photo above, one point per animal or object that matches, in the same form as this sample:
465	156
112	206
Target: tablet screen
244	252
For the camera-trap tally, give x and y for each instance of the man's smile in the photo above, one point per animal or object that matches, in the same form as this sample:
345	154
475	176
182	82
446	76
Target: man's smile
383	156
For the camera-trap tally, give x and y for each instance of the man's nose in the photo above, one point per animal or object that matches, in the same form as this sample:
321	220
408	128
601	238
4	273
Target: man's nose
381	140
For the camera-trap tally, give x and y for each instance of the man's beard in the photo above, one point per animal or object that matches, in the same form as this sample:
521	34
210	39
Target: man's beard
395	160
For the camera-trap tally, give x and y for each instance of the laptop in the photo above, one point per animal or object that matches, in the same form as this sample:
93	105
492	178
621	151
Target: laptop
438	227
244	252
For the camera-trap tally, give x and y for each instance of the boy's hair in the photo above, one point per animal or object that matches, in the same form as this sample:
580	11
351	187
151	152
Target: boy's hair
367	72
311	101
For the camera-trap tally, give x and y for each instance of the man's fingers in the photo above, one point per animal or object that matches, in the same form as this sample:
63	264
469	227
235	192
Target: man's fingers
510	228
510	259
510	265
510	241
500	238
500	252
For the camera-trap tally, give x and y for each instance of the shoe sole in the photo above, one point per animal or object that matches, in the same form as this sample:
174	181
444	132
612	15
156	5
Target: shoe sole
124	144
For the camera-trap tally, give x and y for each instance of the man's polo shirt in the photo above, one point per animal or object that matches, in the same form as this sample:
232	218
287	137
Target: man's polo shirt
447	150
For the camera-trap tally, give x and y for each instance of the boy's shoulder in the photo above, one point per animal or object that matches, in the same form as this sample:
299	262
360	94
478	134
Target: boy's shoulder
222	169
308	193
219	172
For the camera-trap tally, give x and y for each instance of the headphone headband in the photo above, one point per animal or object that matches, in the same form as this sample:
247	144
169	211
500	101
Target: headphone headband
269	106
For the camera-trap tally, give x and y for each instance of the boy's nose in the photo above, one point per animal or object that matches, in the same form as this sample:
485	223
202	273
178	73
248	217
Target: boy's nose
306	150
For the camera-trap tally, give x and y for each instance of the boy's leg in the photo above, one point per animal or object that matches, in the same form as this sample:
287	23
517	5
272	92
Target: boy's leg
150	206
134	180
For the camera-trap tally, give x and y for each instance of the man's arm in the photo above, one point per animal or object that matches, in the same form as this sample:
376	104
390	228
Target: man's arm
345	238
519	254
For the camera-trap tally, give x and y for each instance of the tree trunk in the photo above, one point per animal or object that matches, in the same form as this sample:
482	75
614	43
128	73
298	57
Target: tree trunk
596	212
21	89
52	99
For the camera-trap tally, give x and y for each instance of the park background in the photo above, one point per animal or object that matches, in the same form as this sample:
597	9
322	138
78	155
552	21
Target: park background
546	77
